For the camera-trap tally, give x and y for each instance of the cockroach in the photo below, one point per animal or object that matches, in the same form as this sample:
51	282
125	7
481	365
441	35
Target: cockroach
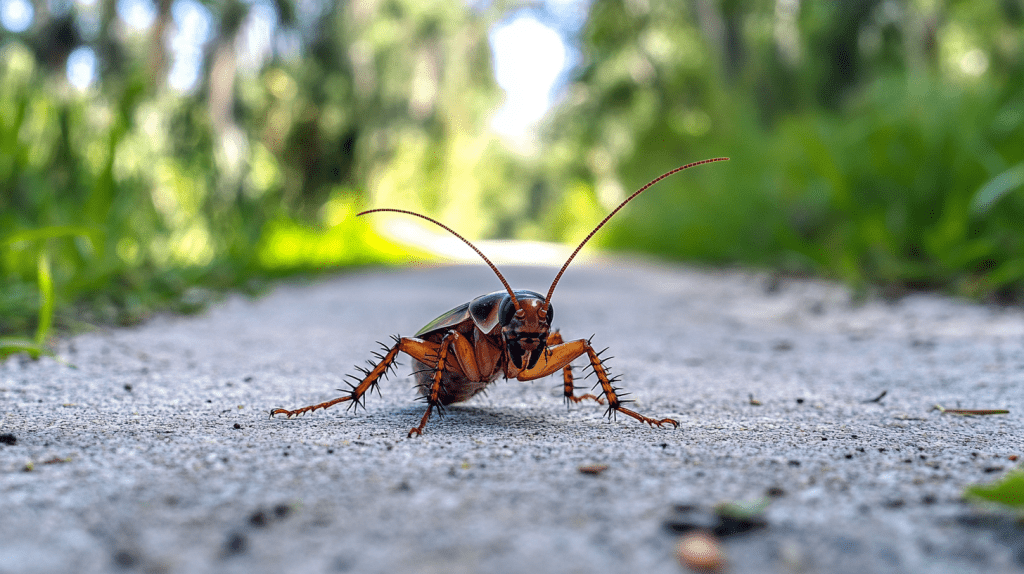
501	334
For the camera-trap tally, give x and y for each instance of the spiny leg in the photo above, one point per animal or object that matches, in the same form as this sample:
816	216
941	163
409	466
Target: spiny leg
567	379
416	348
611	393
433	394
559	356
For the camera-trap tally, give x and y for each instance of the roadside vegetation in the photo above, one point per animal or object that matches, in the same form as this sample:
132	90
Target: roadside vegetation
874	142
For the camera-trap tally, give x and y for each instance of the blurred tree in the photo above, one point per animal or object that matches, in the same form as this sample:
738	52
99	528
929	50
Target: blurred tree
862	134
203	143
246	171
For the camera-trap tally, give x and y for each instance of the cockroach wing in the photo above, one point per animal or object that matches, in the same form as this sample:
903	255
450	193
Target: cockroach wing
447	320
485	309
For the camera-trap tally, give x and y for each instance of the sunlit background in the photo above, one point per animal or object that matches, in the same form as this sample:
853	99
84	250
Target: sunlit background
155	153
531	53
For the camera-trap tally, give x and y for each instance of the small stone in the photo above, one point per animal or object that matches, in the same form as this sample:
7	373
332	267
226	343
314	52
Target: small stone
235	544
125	559
701	552
282	510
258	519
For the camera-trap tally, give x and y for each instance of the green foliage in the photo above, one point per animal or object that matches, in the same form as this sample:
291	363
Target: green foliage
44	282
101	172
872	141
865	146
129	197
1008	492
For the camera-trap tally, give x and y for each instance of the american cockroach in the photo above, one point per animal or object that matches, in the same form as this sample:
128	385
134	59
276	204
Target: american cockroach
501	334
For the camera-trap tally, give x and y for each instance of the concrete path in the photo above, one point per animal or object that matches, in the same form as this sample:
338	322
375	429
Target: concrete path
154	452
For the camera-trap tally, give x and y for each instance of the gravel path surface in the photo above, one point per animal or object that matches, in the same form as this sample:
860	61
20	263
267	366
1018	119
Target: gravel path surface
151	450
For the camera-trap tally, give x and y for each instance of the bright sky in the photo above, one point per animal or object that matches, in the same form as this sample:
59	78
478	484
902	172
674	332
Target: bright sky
528	58
529	48
531	59
16	15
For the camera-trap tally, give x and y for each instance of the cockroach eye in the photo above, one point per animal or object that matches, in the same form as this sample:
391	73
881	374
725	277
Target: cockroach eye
505	311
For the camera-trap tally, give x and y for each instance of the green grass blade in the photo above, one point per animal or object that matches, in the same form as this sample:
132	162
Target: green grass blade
997	187
93	234
1008	492
45	300
11	345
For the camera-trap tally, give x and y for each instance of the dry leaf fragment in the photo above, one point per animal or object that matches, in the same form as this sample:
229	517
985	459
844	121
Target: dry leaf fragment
593	468
970	412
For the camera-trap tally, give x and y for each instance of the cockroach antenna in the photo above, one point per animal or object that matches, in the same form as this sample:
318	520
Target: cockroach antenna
551	290
508	288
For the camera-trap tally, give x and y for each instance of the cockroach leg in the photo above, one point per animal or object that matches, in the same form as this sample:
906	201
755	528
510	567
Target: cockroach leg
311	408
643	419
433	394
613	395
567	378
413	347
570	397
417	431
559	356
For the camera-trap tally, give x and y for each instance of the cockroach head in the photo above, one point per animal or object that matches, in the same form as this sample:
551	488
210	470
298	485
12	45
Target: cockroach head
507	312
524	328
524	309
